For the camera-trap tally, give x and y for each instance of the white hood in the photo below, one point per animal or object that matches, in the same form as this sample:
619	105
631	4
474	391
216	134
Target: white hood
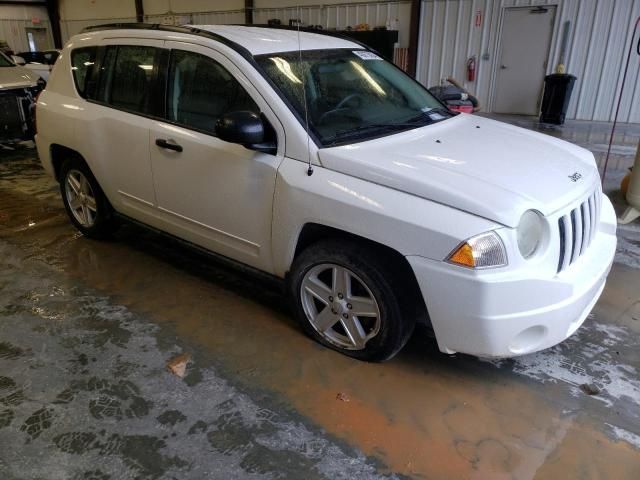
474	164
13	77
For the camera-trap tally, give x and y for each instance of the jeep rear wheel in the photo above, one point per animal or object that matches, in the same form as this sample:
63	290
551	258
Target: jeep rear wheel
84	201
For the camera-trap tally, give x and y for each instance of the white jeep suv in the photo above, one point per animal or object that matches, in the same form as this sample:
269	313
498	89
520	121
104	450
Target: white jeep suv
309	157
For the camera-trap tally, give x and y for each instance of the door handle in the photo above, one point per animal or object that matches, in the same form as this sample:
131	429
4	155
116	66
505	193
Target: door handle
503	67
168	144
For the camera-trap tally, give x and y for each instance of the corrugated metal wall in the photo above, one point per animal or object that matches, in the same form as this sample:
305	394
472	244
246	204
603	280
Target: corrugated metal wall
69	28
72	27
202	18
15	19
394	14
599	38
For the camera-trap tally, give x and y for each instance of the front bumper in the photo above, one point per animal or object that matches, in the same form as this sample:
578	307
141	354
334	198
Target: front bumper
16	114
503	312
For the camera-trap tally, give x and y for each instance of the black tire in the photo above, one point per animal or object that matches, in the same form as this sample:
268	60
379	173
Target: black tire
396	323
103	223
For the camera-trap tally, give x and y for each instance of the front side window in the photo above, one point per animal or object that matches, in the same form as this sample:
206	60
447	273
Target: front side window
200	91
82	62
127	78
350	95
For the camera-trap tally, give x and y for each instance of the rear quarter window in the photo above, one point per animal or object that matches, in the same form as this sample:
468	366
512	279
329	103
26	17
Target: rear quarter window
82	62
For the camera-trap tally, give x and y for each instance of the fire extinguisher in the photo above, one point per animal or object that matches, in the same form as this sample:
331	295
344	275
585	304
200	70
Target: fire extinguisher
471	69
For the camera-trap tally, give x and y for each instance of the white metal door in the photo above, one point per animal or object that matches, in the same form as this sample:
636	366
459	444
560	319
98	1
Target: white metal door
522	63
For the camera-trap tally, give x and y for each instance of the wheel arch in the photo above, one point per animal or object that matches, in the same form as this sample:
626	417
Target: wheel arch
314	232
60	153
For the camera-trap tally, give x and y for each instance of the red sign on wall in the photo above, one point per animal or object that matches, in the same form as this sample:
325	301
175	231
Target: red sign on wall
478	21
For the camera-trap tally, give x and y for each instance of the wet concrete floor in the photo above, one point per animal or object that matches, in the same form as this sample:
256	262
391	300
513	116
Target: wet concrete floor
87	327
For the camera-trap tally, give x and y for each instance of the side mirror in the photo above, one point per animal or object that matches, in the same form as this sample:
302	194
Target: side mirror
243	127
18	60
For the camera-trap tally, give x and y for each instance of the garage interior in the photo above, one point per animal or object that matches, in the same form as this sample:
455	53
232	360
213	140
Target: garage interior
138	358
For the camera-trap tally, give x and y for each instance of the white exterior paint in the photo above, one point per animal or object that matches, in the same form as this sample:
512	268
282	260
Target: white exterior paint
599	39
406	191
483	166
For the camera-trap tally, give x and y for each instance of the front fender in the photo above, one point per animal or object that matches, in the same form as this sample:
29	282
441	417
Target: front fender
410	225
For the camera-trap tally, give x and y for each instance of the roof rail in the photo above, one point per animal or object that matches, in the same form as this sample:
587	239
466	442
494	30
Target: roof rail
171	28
329	33
205	33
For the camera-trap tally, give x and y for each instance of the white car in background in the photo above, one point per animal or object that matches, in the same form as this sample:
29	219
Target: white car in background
324	165
40	62
19	88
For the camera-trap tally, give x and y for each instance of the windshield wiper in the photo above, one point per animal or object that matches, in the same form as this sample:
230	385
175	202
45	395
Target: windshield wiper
417	122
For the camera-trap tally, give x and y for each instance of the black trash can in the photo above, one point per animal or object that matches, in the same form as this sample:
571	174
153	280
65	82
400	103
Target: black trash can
557	93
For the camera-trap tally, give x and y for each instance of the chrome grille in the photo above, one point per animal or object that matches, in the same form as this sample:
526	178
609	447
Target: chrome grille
577	229
11	121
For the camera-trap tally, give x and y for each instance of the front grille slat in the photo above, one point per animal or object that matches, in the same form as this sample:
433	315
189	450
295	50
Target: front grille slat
576	224
568	241
586	213
592	209
577	229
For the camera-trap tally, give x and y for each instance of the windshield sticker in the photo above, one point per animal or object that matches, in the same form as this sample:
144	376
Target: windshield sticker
364	55
431	114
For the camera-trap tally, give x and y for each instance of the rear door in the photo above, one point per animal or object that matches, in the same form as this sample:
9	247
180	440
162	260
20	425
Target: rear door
127	98
213	193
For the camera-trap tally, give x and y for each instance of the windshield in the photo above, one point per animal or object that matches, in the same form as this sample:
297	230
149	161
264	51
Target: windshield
352	95
5	61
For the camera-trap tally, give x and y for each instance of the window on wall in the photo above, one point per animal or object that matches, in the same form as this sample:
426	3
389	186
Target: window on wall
32	42
128	73
82	63
200	90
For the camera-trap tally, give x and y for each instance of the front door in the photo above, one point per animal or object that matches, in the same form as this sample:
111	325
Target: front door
522	62
216	194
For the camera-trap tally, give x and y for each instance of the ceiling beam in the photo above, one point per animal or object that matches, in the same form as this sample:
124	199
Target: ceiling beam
139	11
414	33
248	12
53	10
37	3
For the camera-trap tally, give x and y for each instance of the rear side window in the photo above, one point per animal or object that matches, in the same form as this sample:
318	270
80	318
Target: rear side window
82	62
128	77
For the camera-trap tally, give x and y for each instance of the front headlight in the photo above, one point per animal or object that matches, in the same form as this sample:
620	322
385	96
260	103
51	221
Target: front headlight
482	251
530	233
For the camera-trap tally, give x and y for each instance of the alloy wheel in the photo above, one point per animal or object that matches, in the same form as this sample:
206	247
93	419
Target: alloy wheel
340	306
80	198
